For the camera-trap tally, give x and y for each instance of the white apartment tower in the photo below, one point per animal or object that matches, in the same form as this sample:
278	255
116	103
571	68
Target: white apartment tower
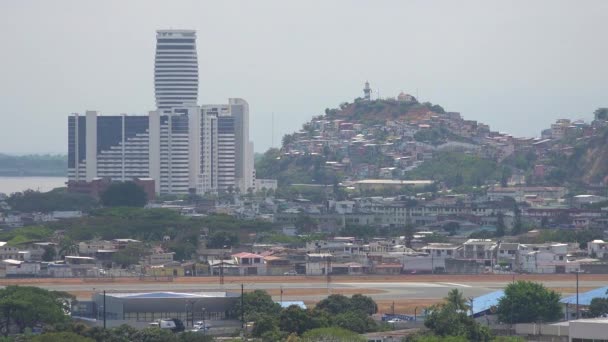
244	170
175	70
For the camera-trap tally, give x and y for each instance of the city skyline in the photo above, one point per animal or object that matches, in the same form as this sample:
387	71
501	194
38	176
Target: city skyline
500	64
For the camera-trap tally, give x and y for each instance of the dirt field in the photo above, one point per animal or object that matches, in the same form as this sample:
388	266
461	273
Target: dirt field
319	279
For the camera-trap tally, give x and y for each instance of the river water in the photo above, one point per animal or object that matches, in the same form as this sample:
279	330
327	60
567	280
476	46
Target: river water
9	185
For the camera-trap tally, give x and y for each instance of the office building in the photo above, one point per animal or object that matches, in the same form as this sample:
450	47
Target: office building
115	147
175	70
190	150
183	147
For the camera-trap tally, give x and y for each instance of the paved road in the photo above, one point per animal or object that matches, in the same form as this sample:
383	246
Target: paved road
382	290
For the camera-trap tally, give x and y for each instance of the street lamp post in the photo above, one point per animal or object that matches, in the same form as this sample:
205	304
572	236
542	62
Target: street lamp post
204	323
104	309
577	313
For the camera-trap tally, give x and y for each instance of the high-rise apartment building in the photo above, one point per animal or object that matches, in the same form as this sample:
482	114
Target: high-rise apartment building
175	70
183	147
244	172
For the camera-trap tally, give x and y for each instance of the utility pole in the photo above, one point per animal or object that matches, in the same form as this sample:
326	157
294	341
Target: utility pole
281	295
577	317
242	306
222	270
104	308
328	273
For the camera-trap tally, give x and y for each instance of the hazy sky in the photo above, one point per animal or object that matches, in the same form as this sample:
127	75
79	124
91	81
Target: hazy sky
516	65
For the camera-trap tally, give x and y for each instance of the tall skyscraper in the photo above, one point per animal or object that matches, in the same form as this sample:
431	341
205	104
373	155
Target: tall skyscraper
175	70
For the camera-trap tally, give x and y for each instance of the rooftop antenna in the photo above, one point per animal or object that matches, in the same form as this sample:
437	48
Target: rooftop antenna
272	132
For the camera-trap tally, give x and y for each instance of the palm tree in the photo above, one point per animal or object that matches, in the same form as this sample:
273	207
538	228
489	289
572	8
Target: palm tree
67	247
456	300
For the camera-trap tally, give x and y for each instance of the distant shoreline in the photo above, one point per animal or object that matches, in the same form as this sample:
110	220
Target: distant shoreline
45	175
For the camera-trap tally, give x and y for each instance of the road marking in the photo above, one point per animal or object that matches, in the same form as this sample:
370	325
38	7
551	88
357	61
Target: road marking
454	284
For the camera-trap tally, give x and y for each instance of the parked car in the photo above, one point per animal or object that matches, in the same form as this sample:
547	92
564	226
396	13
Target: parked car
200	328
291	273
395	320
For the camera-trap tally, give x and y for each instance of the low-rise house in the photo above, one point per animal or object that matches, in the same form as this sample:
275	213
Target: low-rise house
479	250
276	265
8	252
439	252
82	266
19	268
160	258
318	263
89	248
249	263
598	249
347	268
386	268
507	254
545	258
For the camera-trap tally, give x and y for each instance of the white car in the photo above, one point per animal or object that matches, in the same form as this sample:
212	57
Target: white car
200	328
291	273
395	320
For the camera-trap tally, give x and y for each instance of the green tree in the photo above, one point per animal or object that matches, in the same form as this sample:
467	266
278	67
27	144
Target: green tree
500	224
49	253
190	336
56	200
67	246
527	302
61	337
294	320
154	334
265	323
131	254
305	224
331	334
456	299
222	239
28	307
598	307
451	318
334	304
363	304
124	194
601	114
257	303
356	321
451	227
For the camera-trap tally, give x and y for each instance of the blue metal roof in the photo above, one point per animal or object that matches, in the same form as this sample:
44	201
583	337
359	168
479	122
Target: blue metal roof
485	302
586	297
286	304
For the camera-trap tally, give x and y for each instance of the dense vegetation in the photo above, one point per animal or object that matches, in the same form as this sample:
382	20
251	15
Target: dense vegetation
336	311
528	302
33	165
146	225
58	199
24	307
295	170
458	169
124	194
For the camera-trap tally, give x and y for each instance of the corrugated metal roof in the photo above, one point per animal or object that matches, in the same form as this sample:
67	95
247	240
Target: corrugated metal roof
158	295
485	302
586	297
286	304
